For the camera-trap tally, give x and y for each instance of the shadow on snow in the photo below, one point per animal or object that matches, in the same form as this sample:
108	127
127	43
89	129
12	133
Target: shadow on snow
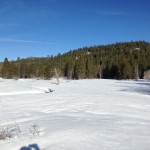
30	147
141	86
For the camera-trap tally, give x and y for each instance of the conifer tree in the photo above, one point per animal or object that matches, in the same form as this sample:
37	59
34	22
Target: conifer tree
47	67
90	68
6	69
79	69
13	70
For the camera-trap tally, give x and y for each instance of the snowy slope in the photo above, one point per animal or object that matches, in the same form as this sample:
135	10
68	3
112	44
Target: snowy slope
77	115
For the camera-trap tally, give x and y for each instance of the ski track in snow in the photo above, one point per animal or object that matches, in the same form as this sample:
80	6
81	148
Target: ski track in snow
78	114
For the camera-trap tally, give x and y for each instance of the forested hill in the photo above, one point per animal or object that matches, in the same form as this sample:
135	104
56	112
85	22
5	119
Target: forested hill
115	61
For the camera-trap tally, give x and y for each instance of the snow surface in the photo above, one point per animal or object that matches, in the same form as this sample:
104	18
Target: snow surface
78	114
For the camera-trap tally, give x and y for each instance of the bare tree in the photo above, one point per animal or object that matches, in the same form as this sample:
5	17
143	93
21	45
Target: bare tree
57	76
147	75
136	57
56	73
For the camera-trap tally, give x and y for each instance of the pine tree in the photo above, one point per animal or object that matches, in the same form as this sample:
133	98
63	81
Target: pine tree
90	68
79	69
47	72
13	70
126	70
6	69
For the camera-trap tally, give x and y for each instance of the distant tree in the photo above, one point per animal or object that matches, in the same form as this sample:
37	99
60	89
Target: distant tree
57	75
147	75
126	70
6	69
79	69
13	72
90	68
114	72
115	61
69	69
22	69
47	74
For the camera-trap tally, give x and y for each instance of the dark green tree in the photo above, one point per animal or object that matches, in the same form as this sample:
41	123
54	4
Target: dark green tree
69	69
6	69
13	72
79	69
90	68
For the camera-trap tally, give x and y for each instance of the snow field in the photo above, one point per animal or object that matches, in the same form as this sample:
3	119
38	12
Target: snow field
77	115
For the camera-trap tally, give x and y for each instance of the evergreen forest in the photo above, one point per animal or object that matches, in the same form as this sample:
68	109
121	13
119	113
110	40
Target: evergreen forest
126	60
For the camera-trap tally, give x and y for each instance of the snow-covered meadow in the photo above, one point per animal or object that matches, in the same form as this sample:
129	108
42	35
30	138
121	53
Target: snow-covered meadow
77	115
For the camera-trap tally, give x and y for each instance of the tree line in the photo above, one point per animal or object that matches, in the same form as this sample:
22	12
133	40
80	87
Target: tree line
115	61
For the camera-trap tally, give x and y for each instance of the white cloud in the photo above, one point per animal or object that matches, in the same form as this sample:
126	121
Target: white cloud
111	13
24	41
10	25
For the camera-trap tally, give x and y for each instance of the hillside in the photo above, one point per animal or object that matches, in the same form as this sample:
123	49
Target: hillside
115	61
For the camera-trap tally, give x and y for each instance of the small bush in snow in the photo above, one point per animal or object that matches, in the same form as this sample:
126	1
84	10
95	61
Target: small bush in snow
9	132
34	130
5	134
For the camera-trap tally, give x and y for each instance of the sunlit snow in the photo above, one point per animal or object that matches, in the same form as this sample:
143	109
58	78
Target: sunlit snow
78	114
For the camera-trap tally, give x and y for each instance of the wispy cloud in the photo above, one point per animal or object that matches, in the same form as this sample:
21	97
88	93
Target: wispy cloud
24	41
111	13
10	25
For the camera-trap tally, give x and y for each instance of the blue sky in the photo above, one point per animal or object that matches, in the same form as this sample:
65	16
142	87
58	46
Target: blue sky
37	28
